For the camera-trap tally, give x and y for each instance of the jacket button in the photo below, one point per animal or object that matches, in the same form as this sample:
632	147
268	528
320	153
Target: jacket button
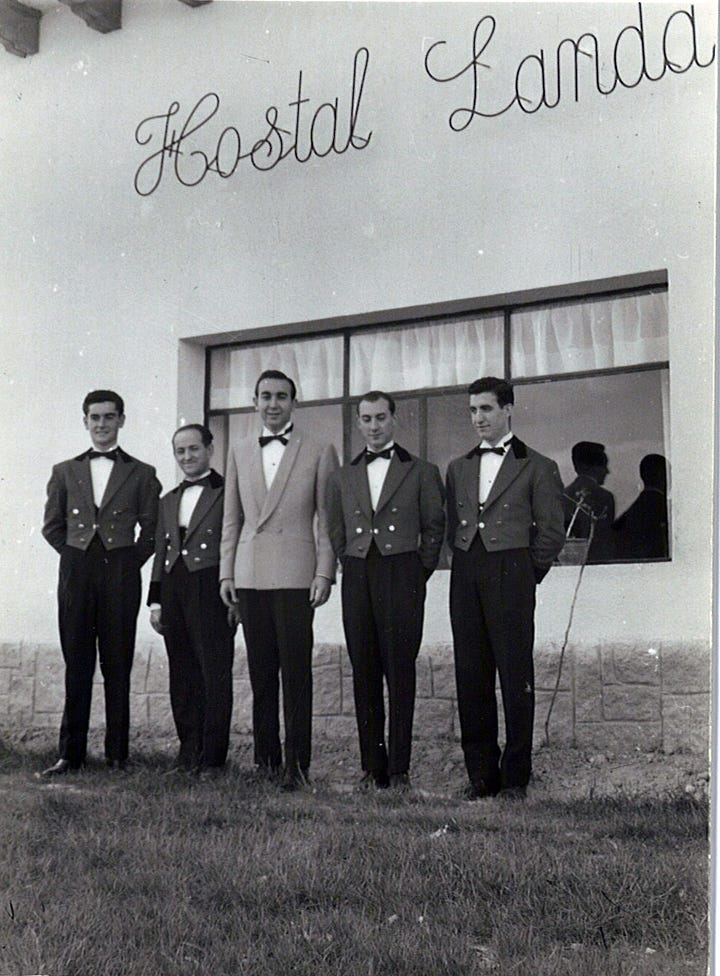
357	511
203	545
481	525
197	559
167	536
393	510
388	546
184	552
464	522
391	528
167	562
109	539
94	525
506	505
359	531
80	525
375	531
464	538
460	504
209	531
76	511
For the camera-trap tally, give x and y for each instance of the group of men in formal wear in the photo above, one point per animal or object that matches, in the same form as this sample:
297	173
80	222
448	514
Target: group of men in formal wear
260	548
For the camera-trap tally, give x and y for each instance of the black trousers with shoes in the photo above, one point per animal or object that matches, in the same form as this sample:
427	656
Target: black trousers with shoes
98	603
492	607
277	625
383	600
200	648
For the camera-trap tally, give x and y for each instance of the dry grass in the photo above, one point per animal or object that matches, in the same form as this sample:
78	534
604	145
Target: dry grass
141	874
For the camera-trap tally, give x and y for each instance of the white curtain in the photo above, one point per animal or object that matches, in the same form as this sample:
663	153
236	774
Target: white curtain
316	366
592	335
446	353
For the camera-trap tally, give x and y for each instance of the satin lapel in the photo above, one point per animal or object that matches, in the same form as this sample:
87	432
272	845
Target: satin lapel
81	471
281	478
118	476
396	474
509	470
357	474
208	497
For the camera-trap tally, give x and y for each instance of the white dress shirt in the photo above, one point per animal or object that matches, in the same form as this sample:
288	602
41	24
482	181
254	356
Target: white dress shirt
100	471
490	465
376	473
272	455
189	500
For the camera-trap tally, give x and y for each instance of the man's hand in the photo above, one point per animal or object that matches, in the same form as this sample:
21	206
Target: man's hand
156	621
319	591
228	593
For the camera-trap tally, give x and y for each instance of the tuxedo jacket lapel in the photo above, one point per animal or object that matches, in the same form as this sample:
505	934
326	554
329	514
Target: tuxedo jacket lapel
208	497
510	468
396	474
281	478
118	476
470	481
357	474
83	478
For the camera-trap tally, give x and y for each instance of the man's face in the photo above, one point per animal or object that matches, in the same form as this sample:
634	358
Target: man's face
376	423
191	454
103	421
490	420
274	404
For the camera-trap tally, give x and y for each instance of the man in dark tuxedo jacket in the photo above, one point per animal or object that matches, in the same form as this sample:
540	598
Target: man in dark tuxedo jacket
277	566
95	502
386	523
505	527
185	605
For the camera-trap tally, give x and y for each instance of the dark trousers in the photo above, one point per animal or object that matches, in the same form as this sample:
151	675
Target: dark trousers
383	599
492	607
278	635
200	648
98	603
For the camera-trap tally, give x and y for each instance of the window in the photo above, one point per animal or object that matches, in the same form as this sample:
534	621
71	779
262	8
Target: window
590	369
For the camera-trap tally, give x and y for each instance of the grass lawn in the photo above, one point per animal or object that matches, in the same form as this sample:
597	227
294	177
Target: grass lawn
145	874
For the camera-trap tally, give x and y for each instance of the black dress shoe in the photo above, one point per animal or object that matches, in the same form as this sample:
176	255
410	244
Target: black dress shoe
61	768
374	781
400	782
478	789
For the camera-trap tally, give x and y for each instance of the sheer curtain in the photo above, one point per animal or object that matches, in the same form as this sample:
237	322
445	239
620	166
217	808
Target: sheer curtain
598	334
446	353
316	366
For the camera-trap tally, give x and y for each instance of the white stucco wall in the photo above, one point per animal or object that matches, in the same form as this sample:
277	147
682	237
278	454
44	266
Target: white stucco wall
98	284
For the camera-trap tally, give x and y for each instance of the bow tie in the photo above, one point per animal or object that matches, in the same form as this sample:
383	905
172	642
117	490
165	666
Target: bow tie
371	456
486	450
110	455
199	483
266	439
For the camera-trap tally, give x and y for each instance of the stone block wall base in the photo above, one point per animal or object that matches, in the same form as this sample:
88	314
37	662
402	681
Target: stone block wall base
610	697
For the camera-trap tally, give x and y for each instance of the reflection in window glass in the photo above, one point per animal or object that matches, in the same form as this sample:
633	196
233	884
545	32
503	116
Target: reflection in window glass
316	366
446	353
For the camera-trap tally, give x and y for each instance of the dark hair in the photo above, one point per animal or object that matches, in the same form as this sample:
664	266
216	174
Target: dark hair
653	470
372	396
103	396
588	454
205	433
492	384
275	374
